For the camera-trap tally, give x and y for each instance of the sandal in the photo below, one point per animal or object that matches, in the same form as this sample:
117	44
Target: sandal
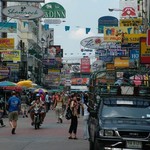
75	138
70	137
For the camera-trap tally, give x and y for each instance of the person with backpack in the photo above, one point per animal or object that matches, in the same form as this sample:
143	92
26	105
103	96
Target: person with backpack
73	104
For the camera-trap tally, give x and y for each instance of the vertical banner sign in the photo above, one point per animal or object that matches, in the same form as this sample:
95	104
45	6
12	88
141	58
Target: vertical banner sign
85	64
148	37
144	51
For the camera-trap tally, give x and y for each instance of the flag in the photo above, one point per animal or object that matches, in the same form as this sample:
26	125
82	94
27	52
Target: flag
67	28
88	30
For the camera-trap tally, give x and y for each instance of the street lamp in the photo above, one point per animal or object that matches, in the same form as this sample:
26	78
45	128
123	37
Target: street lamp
114	9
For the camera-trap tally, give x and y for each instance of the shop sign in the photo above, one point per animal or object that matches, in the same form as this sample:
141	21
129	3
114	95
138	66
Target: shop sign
53	10
106	21
92	42
8	27
133	38
130	22
144	51
129	8
114	34
121	62
6	43
23	12
11	55
4	73
110	66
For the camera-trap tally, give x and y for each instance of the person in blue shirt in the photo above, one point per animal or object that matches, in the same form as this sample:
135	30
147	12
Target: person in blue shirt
14	104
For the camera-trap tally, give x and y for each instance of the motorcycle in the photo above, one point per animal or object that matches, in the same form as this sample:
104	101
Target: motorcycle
37	118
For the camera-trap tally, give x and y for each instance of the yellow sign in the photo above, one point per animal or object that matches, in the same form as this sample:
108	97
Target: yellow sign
130	22
114	34
121	62
6	43
11	55
132	38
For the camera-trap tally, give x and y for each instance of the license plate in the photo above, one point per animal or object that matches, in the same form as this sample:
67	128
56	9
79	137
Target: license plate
134	144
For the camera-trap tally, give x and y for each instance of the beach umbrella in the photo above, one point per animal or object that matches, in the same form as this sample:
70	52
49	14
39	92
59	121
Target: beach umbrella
40	90
7	83
25	83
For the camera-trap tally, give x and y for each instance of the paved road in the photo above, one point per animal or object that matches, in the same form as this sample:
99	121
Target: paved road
51	135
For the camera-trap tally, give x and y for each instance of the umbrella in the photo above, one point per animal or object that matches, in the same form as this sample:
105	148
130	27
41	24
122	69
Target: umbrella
7	83
25	83
40	90
137	79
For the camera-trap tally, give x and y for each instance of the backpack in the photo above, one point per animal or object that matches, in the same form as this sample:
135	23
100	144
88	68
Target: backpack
68	114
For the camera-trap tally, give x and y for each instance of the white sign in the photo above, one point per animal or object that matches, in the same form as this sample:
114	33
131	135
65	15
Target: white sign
92	42
129	8
23	12
52	21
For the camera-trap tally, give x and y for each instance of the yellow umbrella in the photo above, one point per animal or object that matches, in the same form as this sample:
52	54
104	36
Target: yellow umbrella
40	90
25	83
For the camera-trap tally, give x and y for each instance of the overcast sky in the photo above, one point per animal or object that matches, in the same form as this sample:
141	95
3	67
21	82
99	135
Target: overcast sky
80	14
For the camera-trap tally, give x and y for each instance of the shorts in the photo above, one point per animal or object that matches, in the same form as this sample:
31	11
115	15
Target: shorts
13	116
23	106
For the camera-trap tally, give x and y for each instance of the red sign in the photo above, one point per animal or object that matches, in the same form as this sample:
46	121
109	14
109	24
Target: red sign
148	37
85	64
144	51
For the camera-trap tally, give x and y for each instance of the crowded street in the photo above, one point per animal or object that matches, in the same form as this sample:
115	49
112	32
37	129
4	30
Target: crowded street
51	135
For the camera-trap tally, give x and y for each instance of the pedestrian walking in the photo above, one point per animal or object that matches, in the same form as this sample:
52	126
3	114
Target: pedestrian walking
58	103
47	101
74	119
24	104
85	119
14	105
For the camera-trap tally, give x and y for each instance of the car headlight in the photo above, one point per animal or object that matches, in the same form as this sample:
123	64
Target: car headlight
106	133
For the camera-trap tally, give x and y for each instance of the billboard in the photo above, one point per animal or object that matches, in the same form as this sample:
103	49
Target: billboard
53	10
106	21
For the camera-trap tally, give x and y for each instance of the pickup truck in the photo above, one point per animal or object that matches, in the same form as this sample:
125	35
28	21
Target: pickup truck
119	117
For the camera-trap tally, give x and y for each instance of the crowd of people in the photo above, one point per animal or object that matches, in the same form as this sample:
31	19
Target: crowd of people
24	103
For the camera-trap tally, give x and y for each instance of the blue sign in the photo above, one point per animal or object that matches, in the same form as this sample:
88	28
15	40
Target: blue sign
107	21
134	58
8	27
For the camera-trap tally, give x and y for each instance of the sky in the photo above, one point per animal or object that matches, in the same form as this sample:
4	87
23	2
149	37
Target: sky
80	14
